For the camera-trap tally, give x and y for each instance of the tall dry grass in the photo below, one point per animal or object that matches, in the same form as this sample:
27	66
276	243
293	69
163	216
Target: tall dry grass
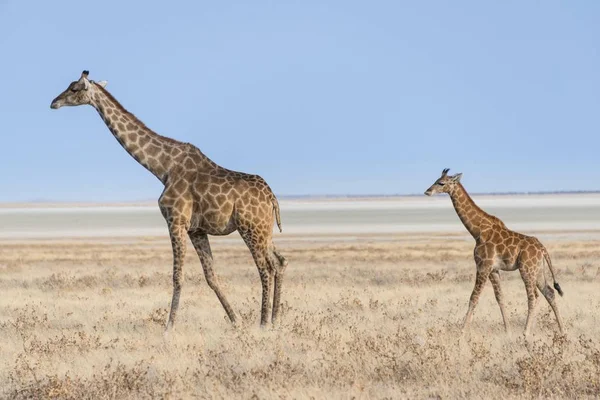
363	317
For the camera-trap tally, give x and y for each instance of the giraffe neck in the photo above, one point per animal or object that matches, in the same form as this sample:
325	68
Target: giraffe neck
147	147
469	213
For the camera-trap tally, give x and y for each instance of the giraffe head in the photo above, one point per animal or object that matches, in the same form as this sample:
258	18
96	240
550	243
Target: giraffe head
444	184
78	92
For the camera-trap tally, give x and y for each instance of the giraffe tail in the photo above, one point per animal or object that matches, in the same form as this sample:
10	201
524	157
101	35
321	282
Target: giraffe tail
276	209
549	262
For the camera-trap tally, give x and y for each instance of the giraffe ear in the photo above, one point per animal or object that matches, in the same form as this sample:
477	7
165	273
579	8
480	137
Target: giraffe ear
102	83
456	178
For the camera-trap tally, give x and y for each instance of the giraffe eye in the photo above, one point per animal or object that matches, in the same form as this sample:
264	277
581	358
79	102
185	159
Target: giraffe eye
441	184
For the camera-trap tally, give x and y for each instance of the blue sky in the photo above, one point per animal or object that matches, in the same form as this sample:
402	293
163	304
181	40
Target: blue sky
318	97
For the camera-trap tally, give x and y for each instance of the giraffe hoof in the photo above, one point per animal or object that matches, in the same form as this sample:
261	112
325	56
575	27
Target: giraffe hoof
264	325
167	331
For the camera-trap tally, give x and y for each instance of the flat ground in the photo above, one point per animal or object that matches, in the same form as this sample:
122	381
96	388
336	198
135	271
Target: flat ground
364	316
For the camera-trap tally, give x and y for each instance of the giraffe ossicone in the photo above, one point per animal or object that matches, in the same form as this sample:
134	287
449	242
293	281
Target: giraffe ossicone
200	198
498	248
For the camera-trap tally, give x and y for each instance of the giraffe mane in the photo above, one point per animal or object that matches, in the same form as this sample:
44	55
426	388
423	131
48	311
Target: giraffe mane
124	110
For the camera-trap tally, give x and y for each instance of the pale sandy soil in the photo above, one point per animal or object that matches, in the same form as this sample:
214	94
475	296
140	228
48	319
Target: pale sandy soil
365	316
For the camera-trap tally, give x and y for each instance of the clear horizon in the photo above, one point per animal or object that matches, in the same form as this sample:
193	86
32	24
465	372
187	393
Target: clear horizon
312	196
321	99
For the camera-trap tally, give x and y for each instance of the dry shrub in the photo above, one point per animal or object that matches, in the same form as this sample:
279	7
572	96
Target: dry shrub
158	316
437	276
79	341
113	381
26	319
559	368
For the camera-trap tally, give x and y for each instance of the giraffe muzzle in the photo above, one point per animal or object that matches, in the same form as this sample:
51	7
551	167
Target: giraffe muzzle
56	103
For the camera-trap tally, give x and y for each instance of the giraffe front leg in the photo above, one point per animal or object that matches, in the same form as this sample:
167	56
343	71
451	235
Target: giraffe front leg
202	246
483	272
495	280
177	233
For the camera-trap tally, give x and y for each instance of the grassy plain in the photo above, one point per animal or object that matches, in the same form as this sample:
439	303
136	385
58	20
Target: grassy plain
364	316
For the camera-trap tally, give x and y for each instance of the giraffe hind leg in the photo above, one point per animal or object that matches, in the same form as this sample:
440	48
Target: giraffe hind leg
260	253
279	263
529	282
266	281
550	296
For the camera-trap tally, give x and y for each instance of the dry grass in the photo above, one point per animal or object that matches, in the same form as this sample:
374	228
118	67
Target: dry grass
363	318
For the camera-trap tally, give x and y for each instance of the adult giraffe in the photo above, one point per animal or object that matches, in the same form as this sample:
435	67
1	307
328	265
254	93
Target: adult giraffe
200	197
498	248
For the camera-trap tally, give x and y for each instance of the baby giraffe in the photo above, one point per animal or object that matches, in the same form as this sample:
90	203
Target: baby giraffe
498	248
